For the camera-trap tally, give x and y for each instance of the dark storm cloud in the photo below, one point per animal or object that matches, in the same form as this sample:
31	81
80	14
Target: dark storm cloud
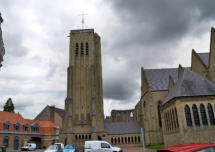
153	21
119	89
147	34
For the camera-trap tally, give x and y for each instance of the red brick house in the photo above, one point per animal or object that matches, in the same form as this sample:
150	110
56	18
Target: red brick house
15	131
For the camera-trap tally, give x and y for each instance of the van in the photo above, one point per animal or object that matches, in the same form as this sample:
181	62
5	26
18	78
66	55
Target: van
29	147
60	145
100	146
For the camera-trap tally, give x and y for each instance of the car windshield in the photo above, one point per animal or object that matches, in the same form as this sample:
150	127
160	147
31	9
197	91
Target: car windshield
52	147
69	147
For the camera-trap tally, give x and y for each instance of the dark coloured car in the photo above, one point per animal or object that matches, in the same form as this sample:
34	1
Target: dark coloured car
70	148
193	147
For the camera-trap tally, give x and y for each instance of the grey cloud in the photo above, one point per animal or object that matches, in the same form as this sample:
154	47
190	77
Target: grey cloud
119	89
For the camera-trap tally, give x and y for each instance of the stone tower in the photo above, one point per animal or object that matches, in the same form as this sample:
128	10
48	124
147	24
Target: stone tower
84	115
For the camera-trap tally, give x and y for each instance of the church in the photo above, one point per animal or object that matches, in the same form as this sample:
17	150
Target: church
176	104
83	116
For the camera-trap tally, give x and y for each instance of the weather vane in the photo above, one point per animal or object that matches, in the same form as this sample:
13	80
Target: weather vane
82	19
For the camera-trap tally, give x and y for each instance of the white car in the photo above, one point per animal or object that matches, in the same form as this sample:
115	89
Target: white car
29	147
100	146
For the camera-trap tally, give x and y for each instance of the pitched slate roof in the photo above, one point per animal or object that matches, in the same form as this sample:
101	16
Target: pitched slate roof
158	79
116	128
61	112
204	57
191	84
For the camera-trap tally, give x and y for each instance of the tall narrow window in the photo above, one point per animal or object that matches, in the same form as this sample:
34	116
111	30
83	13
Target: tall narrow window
5	141
188	115
25	127
76	49
176	115
16	127
203	114
159	114
196	115
211	114
6	126
87	49
82	48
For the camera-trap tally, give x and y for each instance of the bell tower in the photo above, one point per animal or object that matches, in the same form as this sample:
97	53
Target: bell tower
84	115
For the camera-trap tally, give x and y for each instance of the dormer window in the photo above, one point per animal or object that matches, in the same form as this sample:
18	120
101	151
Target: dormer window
6	126
25	127
16	127
87	49
76	49
82	48
35	128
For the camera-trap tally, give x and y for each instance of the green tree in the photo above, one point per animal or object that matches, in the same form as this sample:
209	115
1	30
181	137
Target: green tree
9	106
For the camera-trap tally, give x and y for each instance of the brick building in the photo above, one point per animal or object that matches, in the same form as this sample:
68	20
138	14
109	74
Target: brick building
15	131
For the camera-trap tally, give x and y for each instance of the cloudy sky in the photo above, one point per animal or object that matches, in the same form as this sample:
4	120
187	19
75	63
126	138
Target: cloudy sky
134	34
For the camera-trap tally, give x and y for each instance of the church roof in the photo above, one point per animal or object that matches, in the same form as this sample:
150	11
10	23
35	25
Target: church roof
61	112
158	79
204	57
116	128
191	84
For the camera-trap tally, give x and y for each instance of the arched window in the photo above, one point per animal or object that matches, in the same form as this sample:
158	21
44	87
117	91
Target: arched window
126	140
82	136
188	115
196	115
115	140
82	48
176	115
203	114
132	139
122	141
135	139
79	137
138	139
76	49
86	137
25	127
35	128
111	140
173	115
118	140
76	137
159	114
87	49
89	136
165	121
211	114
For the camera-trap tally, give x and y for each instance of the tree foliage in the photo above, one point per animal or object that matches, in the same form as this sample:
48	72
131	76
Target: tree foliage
9	106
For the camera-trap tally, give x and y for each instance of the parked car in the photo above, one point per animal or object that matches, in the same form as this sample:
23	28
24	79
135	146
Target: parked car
193	147
60	145
54	148
70	148
2	149
101	146
29	147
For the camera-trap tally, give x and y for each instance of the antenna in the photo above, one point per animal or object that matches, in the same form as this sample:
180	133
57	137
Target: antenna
82	19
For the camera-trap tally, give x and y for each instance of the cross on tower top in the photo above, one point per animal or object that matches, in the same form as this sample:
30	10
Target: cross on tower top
82	19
